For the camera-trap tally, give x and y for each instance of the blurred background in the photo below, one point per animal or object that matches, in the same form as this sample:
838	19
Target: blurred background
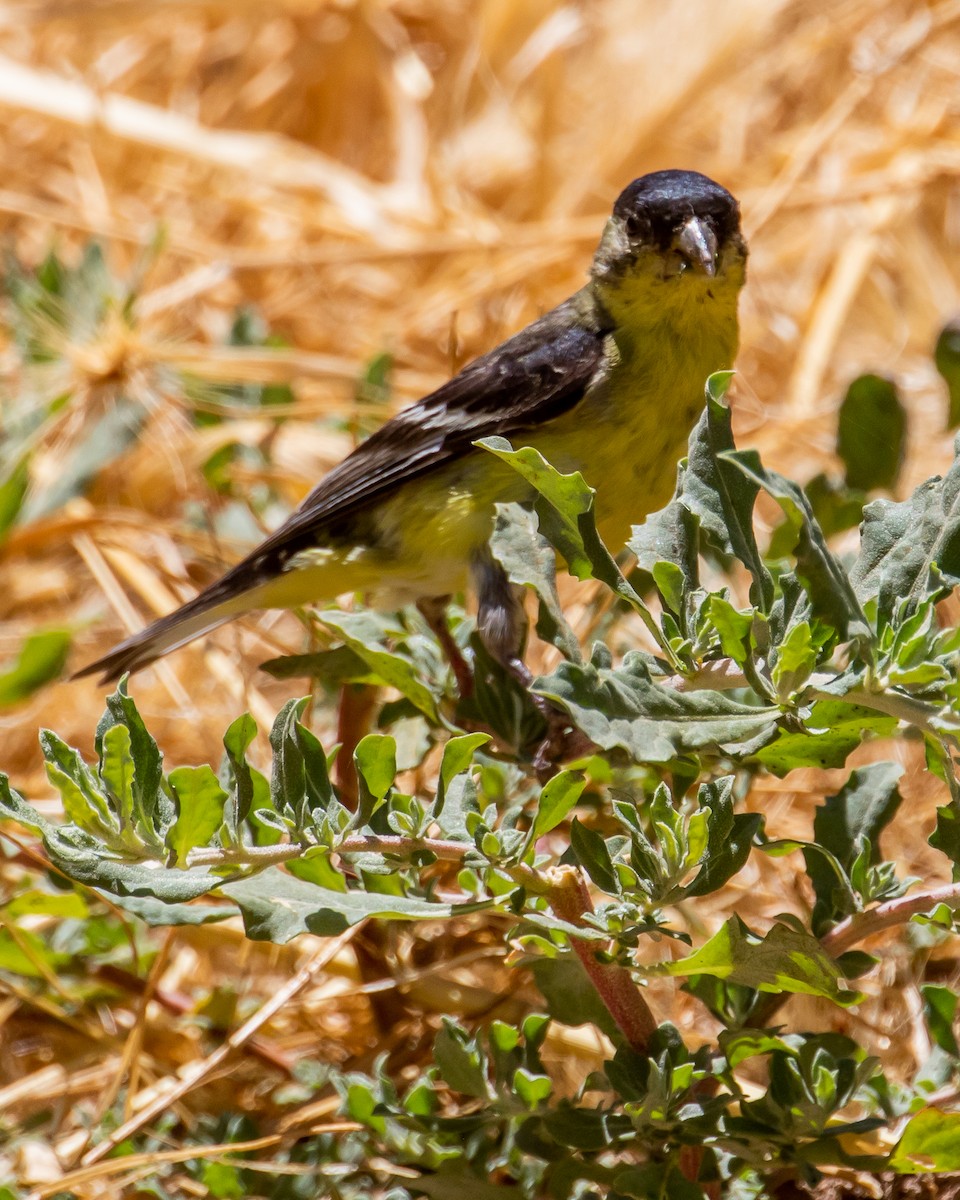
271	225
238	235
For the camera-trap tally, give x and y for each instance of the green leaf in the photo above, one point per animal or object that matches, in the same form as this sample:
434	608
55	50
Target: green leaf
593	855
569	500
910	551
733	627
656	1181
117	772
739	1045
532	1089
832	730
825	579
458	756
784	960
223	1181
376	761
720	495
930	1142
333	668
669	536
458	1186
796	659
13	807
564	507
236	742
872	433
529	561
13	490
863	808
277	907
946	835
83	801
500	702
624	707
460	1061
361	632
87	864
299	783
729	837
940	1010
200	800
41	659
315	867
835	507
835	893
557	798
33	902
29	955
456	790
154	811
158	913
570	995
671	584
947	359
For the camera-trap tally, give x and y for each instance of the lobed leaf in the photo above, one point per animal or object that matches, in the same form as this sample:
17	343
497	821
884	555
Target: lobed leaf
784	960
910	552
930	1142
823	576
719	495
624	707
277	907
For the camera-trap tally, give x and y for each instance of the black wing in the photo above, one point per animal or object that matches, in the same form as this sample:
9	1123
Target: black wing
533	377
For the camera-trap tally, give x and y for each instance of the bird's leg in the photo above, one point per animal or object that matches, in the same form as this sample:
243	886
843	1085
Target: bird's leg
433	611
502	625
501	620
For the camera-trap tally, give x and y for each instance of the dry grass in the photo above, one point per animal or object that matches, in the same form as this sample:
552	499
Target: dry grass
424	176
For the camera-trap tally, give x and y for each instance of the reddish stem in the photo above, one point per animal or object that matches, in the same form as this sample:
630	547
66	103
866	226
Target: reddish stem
570	900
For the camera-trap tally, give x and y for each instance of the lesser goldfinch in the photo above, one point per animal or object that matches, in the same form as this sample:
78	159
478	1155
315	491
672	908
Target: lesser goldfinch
609	383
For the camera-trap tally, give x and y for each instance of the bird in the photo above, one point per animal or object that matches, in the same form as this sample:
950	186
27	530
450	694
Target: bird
609	383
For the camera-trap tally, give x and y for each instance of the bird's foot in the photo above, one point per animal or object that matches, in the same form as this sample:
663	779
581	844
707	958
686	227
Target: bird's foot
561	741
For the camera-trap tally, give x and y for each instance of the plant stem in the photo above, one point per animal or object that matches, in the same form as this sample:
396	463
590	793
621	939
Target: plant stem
368	843
568	897
853	929
263	856
720	675
895	912
919	713
245	856
361	843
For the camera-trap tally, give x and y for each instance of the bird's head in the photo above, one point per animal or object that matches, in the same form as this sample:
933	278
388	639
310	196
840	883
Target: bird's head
673	240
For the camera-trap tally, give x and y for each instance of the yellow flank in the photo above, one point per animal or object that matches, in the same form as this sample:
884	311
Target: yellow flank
625	437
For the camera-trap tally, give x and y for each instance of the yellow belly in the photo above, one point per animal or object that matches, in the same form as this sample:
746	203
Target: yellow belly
625	441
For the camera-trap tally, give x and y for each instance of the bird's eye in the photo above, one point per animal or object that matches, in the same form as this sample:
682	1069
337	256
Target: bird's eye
635	226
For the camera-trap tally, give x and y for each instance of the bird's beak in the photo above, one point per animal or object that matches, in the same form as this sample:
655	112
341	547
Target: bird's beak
696	243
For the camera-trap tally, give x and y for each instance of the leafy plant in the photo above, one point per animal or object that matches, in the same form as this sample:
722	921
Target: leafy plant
589	850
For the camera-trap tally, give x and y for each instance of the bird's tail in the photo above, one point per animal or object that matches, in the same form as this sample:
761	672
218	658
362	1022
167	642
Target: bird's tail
216	604
258	581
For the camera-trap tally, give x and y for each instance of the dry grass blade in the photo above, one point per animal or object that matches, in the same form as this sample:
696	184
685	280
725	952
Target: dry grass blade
202	1069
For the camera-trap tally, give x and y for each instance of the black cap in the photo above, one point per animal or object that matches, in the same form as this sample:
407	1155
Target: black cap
654	206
